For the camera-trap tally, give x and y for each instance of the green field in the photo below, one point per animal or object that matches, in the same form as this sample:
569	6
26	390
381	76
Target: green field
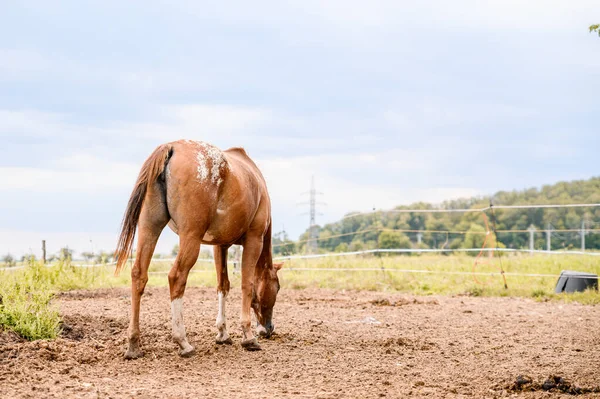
420	275
26	294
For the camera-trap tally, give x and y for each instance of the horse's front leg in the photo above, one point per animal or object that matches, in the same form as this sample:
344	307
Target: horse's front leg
186	258
222	291
252	250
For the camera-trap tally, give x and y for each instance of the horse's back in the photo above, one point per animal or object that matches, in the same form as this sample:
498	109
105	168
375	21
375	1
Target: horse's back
237	156
221	192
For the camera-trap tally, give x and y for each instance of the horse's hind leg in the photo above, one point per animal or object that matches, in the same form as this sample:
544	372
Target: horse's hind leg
222	291
153	219
186	258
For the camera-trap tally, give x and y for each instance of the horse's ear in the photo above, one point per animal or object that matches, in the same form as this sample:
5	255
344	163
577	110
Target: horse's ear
278	266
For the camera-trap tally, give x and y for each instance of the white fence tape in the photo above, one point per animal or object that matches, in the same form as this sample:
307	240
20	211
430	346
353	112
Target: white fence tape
357	253
393	270
401	251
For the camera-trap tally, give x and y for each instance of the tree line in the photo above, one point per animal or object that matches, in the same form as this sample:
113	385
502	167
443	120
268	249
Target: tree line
467	230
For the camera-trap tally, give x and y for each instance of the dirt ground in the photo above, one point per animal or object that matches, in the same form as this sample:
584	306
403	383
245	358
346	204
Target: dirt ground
329	344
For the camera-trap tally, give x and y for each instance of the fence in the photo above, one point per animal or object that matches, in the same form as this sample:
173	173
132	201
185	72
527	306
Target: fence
488	232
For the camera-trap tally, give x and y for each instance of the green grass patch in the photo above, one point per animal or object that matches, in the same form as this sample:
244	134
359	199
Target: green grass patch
25	303
444	275
26	295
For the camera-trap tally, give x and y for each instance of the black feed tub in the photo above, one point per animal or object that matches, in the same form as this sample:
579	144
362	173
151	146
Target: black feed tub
572	281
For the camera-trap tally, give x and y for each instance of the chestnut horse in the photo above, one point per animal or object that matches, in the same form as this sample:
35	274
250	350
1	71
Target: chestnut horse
206	196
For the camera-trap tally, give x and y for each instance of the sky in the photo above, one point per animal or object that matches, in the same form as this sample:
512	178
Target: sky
384	102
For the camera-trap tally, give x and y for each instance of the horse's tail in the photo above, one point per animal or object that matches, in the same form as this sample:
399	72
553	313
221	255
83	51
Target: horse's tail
151	170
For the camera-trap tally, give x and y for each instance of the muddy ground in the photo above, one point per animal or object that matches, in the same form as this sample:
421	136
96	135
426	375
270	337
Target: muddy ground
329	344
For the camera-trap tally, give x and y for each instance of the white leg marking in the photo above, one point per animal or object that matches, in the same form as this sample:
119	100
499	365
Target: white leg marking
178	326
177	319
222	335
221	318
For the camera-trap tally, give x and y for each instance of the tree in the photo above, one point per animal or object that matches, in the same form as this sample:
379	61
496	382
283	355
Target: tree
103	257
359	231
393	240
65	254
29	258
342	247
474	237
175	250
595	28
87	256
356	245
282	245
9	260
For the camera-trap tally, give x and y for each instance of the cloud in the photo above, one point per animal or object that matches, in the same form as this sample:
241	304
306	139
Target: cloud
81	173
384	102
352	182
431	113
16	63
164	123
358	21
482	14
31	123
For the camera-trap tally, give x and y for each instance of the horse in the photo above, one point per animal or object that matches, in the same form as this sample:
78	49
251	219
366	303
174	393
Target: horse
206	196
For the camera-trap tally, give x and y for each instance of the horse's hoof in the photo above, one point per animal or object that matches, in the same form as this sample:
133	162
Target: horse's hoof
224	340
187	352
251	345
133	354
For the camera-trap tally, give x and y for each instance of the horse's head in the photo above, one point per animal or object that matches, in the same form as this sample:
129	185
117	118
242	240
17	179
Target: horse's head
267	287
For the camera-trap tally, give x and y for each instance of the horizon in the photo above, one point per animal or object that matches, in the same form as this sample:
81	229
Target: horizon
386	104
207	249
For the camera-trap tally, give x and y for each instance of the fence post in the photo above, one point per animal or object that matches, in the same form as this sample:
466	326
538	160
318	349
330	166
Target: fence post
548	238
531	238
44	252
583	236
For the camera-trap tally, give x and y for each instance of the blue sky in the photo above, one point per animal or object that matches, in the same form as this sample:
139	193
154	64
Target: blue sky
384	102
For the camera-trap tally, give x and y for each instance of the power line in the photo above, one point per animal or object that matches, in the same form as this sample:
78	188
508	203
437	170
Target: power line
466	210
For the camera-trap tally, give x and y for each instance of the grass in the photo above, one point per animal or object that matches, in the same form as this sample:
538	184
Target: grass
26	295
420	275
25	302
445	275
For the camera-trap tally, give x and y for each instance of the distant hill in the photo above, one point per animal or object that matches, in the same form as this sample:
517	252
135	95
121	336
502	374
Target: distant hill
466	230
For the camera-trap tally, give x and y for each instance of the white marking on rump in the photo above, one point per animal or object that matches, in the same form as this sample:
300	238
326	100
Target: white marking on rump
202	168
209	153
177	320
221	321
